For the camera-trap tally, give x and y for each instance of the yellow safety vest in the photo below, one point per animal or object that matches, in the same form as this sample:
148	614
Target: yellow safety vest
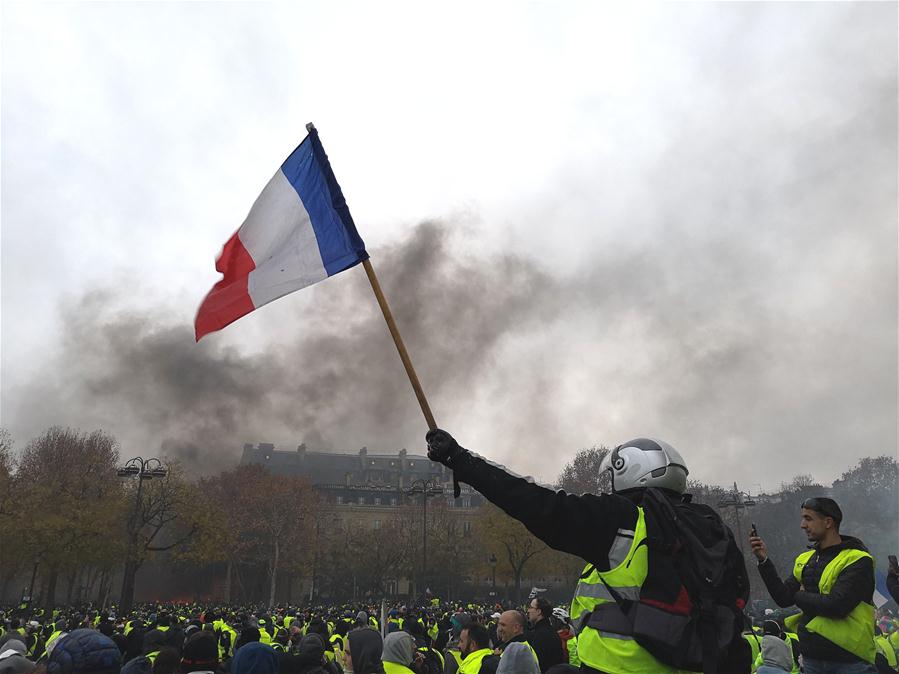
884	646
756	648
396	668
606	650
531	648
791	638
854	632
471	664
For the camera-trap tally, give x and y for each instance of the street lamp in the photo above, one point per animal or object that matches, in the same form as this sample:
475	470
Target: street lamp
427	489
737	500
142	469
492	561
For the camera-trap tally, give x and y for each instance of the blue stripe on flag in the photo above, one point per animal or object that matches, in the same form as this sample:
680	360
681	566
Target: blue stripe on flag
308	170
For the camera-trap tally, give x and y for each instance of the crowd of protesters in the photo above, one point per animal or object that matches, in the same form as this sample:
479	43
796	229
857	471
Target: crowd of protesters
437	638
664	591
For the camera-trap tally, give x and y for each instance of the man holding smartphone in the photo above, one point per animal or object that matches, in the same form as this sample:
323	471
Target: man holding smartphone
833	585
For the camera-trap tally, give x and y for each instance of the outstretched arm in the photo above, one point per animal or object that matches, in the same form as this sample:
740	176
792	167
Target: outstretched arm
581	525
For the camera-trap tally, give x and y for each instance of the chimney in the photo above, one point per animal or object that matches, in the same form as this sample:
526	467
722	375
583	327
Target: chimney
403	453
363	451
301	449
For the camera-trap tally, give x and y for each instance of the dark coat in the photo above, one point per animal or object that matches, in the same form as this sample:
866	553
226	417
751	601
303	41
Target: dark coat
546	644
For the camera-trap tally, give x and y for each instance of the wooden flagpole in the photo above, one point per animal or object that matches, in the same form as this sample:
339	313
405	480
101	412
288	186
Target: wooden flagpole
398	340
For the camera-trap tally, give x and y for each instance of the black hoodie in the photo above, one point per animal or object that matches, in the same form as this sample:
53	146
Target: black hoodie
366	647
854	584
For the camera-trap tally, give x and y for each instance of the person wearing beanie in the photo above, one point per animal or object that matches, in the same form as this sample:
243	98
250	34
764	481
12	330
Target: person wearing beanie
84	651
200	653
255	658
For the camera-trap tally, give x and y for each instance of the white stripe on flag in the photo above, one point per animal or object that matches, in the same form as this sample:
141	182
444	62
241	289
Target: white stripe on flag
279	237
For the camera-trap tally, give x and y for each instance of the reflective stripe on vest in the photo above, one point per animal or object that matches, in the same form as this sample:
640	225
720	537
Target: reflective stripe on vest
853	632
604	633
472	662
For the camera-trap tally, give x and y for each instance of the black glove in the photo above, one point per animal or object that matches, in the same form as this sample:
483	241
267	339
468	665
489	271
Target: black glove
443	448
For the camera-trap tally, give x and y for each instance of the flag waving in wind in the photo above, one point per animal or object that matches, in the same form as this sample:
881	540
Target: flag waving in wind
298	232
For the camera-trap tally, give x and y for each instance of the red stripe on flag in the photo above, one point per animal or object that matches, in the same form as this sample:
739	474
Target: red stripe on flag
229	299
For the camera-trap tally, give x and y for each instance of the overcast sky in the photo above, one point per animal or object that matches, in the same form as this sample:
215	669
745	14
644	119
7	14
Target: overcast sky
594	222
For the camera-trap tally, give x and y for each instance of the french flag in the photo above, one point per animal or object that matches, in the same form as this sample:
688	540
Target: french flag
298	232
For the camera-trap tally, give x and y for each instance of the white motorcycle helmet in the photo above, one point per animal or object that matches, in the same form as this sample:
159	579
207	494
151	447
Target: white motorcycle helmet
645	463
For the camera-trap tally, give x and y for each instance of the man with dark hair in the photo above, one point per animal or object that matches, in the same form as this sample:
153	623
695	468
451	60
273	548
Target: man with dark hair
833	585
477	656
542	636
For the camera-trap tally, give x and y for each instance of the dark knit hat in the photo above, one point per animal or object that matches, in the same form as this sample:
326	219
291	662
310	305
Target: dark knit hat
85	652
200	652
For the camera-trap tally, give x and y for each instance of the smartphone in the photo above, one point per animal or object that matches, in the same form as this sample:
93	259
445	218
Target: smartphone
753	531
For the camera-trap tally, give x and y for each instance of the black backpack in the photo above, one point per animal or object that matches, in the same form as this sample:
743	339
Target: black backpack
690	610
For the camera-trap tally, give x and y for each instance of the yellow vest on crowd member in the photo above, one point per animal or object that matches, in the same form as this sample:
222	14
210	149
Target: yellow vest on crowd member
884	646
471	663
264	636
793	638
49	642
396	668
531	648
337	644
854	632
756	647
573	658
604	649
424	650
457	656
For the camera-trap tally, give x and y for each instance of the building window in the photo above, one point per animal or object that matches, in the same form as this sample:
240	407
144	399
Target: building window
377	502
466	528
393	501
340	500
361	500
377	524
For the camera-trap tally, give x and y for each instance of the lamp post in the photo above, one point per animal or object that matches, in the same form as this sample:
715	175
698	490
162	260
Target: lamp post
427	489
492	561
142	469
737	500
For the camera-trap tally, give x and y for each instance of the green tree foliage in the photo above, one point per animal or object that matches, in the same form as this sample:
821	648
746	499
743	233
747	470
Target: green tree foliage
67	485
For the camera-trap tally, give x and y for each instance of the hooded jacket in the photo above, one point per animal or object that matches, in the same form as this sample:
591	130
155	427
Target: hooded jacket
366	647
855	584
398	649
517	658
776	653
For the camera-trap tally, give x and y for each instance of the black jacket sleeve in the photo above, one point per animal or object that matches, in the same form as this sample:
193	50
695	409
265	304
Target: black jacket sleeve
854	584
583	525
893	586
783	592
